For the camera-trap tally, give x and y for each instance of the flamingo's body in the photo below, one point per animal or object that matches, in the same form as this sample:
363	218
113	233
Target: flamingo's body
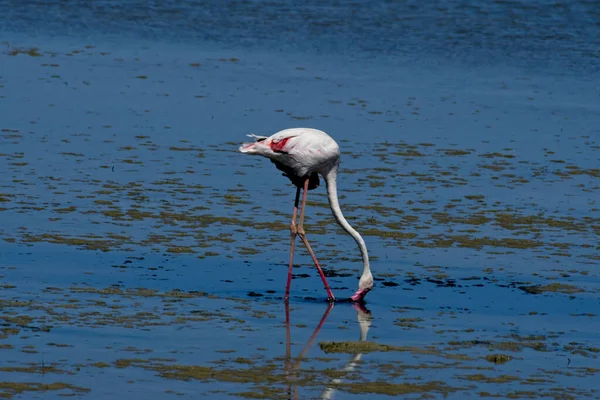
302	154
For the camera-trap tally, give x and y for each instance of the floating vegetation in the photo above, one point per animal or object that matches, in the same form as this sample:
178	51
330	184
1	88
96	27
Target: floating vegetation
498	358
32	51
9	389
364	347
553	287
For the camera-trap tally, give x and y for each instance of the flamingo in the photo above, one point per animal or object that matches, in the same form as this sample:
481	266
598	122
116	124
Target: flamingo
302	154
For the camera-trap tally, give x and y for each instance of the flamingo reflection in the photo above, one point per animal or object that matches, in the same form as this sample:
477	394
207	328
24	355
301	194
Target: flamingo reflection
364	323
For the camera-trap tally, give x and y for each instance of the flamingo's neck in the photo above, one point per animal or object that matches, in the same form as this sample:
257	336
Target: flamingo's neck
366	281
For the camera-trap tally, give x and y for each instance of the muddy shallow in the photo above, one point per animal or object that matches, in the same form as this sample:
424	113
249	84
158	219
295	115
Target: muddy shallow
141	255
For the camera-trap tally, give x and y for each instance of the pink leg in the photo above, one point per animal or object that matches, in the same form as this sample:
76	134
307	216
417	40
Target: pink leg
314	335
293	232
302	235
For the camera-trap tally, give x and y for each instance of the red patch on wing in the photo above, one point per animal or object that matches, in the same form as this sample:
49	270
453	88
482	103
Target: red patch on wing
278	147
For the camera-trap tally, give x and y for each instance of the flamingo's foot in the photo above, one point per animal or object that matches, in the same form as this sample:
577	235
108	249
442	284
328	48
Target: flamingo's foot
359	296
331	299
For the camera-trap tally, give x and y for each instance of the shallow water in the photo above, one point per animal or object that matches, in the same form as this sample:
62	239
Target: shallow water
141	254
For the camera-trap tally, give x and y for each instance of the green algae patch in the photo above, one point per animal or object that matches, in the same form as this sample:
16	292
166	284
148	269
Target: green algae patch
408	153
516	345
396	389
498	358
18	320
478	243
269	374
9	389
180	249
553	287
87	243
268	379
515	221
32	51
408	322
185	372
388	234
351	347
490	379
453	152
574	170
101	364
36	369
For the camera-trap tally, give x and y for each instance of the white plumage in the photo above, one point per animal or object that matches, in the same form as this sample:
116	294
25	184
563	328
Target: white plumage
303	150
303	154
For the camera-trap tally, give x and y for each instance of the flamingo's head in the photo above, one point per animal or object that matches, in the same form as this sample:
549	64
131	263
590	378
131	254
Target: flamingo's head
364	285
360	295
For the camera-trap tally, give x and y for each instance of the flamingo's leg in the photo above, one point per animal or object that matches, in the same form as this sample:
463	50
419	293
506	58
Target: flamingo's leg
302	235
293	233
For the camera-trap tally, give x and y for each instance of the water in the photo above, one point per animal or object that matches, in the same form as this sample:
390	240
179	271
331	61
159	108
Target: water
534	34
140	249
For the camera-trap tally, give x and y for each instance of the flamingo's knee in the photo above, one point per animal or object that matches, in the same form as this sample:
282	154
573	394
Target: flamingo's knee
293	229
